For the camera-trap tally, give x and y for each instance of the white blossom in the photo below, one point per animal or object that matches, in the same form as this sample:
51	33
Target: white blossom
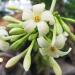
54	51
37	17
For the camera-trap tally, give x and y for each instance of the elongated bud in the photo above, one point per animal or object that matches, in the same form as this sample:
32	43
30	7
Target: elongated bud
11	19
59	28
55	66
16	31
13	38
15	59
19	43
14	25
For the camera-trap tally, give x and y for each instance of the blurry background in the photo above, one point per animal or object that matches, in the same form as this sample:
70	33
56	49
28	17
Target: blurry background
67	9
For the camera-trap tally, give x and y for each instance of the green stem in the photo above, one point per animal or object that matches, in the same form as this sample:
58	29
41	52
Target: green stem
52	6
68	19
54	35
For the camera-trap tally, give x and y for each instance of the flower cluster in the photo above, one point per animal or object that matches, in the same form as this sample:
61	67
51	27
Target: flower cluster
46	31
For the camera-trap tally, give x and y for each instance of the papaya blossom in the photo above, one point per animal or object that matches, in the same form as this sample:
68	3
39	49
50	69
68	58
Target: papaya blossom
47	49
37	17
4	46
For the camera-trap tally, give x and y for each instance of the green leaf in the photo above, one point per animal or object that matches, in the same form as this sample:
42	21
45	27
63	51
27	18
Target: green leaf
15	31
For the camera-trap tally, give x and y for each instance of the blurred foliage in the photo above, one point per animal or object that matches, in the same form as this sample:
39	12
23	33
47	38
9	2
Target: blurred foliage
70	8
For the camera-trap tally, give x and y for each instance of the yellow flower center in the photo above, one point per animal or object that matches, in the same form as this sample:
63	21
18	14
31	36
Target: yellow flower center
37	18
53	49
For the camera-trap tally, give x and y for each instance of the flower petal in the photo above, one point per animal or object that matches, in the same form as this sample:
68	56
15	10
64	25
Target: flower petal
29	26
27	14
61	53
3	32
57	53
60	41
43	51
42	42
4	46
43	28
47	16
38	8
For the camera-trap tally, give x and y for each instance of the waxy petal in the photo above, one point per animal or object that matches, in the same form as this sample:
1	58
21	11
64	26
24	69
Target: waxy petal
29	26
38	8
42	42
60	41
4	46
27	14
43	28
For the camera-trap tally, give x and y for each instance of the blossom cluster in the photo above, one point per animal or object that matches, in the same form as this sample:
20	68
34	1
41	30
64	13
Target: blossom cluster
46	31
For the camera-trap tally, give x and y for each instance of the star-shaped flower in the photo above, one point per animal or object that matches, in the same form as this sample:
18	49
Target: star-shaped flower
37	17
54	51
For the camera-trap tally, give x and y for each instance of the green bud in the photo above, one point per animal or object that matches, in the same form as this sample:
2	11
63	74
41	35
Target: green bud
15	25
67	29
32	36
11	19
59	28
16	31
27	59
14	60
13	38
27	62
55	66
19	43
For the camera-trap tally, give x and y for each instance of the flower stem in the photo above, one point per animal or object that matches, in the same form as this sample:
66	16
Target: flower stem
68	19
54	36
52	6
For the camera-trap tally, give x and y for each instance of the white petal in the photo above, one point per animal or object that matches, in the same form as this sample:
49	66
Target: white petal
46	16
29	26
38	8
61	53
3	32
4	46
43	51
43	28
60	41
42	42
27	14
57	53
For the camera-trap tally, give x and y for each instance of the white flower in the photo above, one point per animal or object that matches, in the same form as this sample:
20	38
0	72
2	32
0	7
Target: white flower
54	51
3	32
37	17
4	46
